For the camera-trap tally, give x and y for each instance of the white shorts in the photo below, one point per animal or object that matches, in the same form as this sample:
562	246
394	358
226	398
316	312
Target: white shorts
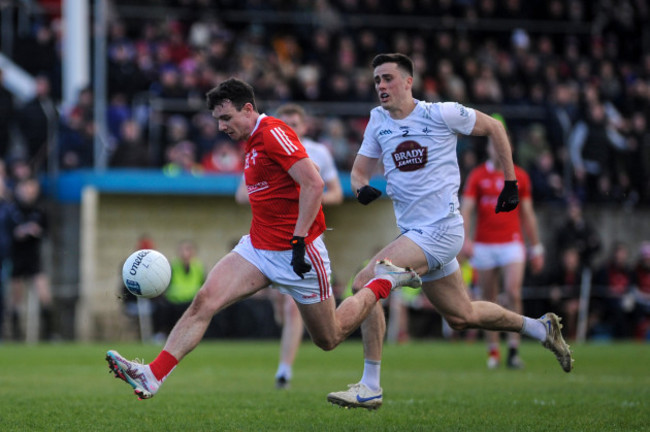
440	243
276	265
493	255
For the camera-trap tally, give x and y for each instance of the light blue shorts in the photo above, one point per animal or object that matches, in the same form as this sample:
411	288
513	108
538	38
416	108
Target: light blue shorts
440	243
276	266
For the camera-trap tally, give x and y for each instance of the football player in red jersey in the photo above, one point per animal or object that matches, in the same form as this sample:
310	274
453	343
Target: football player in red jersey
286	311
498	249
284	246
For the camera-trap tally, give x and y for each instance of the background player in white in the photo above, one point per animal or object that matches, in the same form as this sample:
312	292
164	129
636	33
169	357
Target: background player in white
286	311
284	246
498	250
416	142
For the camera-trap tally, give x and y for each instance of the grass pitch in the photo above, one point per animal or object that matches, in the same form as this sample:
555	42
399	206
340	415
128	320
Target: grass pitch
229	386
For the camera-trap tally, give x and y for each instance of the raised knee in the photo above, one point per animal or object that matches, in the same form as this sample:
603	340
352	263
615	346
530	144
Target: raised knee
358	284
362	279
458	323
326	344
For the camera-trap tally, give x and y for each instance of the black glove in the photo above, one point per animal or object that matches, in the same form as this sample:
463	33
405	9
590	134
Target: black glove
298	263
508	198
367	194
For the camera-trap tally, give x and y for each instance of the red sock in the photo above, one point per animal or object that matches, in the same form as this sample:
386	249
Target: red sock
381	287
163	364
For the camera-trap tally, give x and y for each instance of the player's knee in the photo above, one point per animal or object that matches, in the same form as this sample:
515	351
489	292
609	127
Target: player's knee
458	323
361	280
325	343
204	304
356	287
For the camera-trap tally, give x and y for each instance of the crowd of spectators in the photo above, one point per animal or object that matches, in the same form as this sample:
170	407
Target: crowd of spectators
572	79
580	69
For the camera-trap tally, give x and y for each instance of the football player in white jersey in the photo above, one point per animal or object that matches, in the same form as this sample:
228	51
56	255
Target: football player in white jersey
416	142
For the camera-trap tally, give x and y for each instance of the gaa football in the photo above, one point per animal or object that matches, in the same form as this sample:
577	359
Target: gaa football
146	273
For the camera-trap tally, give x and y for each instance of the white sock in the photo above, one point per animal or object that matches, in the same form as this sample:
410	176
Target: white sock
534	329
284	370
370	378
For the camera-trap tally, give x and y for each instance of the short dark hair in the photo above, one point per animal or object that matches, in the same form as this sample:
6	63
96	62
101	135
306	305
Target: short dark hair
403	61
238	92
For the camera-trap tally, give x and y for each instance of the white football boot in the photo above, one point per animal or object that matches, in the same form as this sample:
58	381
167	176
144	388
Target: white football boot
356	396
555	342
137	375
400	277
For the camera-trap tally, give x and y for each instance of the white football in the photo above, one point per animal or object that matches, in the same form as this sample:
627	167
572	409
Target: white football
146	273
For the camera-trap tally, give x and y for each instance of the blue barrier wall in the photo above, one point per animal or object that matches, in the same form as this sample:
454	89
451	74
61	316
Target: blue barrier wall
68	186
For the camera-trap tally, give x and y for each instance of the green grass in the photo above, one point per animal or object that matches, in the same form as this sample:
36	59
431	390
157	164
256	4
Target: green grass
228	386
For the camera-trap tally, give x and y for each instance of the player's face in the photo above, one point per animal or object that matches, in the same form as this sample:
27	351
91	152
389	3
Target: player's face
393	86
237	124
295	122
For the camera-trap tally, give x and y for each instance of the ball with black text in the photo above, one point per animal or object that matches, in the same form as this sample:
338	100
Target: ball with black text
146	273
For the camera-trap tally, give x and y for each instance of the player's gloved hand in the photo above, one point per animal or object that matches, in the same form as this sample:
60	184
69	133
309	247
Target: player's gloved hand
298	263
367	194
509	197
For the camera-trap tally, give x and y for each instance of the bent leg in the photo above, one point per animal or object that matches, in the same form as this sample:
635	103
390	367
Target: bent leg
449	296
367	393
328	326
402	252
232	279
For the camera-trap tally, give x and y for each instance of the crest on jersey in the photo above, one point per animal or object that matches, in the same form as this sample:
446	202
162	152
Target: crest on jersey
410	156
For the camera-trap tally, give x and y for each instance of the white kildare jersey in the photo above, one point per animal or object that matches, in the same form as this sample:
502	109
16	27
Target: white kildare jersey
420	161
322	157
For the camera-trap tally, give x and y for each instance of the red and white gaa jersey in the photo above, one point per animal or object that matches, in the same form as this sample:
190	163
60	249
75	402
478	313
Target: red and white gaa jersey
271	150
484	184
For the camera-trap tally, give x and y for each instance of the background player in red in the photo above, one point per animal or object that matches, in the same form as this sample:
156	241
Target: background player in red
498	249
284	246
